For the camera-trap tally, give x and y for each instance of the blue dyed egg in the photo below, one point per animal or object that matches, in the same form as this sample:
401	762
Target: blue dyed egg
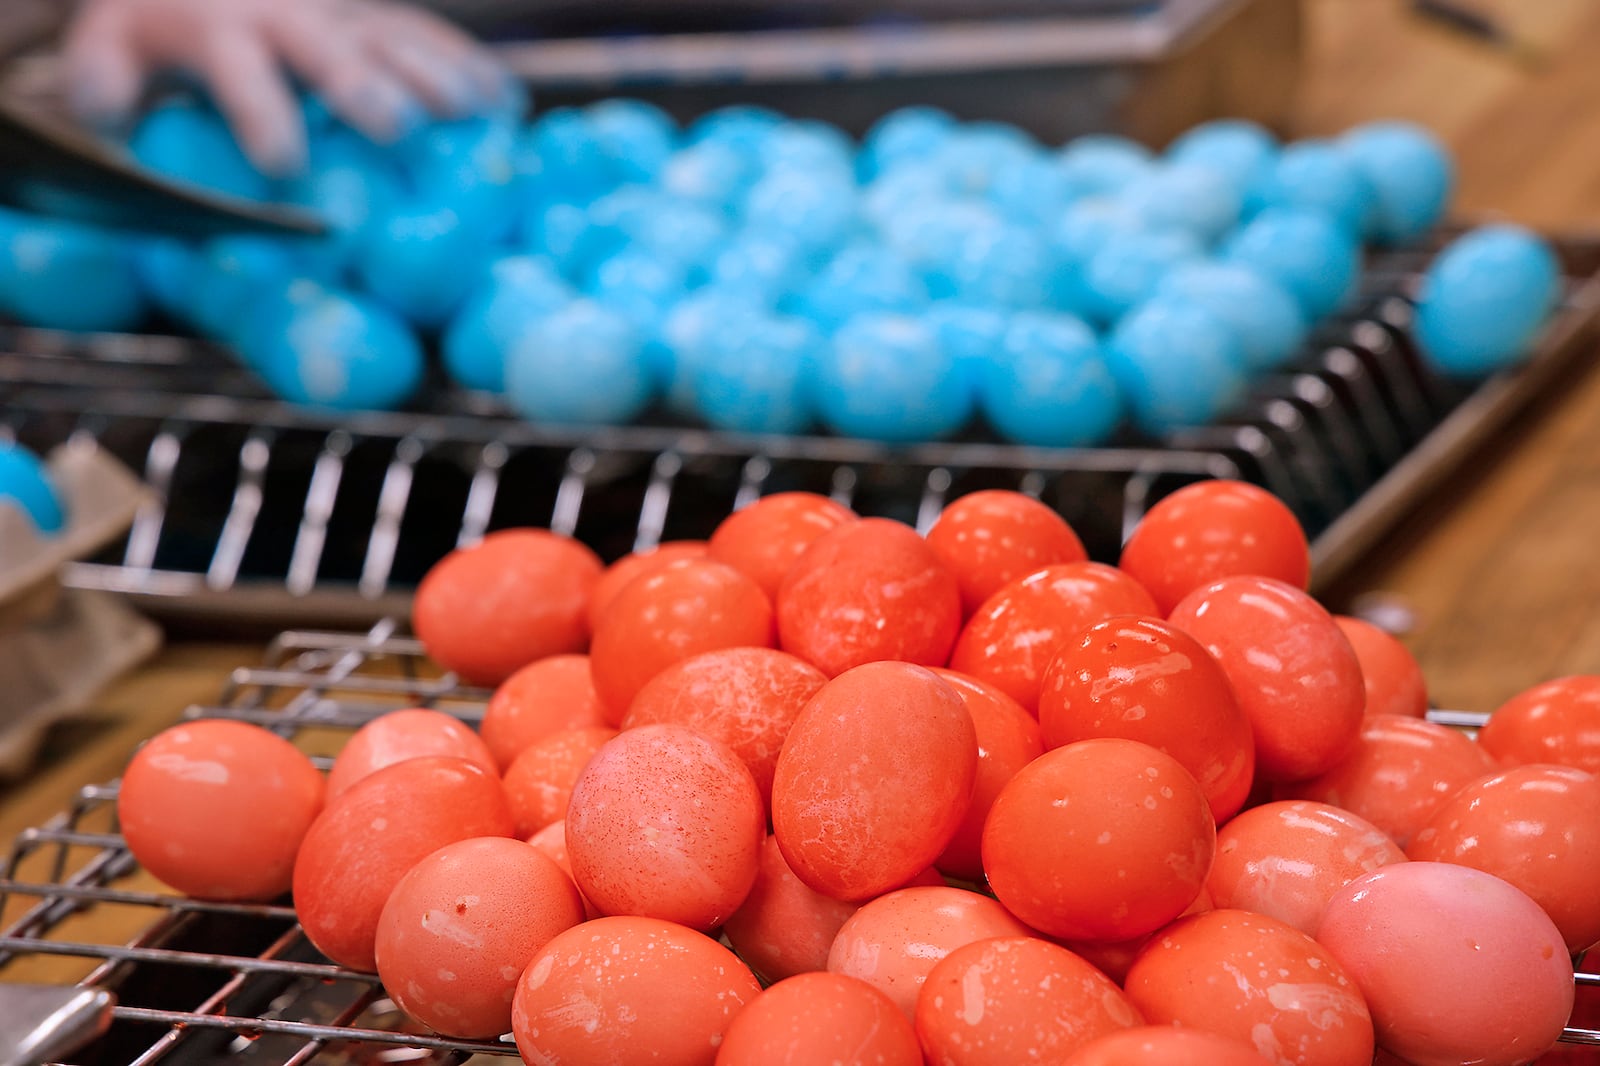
563	158
640	285
713	174
1034	192
1125	270
754	375
767	264
1009	266
686	337
1317	176
1050	386
886	377
636	138
422	262
1176	363
470	167
1186	197
816	209
1484	298
909	135
1316	260
232	273
861	278
62	275
743	127
25	483
812	147
167	269
351	184
1100	164
971	333
190	143
688	234
582	365
559	230
1411	174
906	190
974	156
331	349
1261	313
517	290
1239	150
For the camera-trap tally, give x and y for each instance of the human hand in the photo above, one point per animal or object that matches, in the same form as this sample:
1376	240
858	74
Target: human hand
376	64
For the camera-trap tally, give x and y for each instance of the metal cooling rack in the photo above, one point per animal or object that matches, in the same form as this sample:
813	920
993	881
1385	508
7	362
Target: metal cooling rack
198	981
273	516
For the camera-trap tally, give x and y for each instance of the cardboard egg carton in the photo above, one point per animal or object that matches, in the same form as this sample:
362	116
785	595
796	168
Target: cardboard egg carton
58	646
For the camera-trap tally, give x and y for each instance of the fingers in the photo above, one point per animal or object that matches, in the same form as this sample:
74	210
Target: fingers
250	91
105	74
354	85
452	73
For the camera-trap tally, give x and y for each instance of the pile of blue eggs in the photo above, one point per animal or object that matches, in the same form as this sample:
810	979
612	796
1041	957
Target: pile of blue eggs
26	486
769	275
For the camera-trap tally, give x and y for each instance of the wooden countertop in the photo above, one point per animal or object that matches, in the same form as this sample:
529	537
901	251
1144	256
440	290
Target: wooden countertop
1499	567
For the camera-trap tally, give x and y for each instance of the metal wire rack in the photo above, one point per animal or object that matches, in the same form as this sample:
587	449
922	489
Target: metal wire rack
196	981
273	516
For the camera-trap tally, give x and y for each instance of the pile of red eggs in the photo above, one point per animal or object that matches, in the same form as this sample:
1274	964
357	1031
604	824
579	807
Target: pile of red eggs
966	799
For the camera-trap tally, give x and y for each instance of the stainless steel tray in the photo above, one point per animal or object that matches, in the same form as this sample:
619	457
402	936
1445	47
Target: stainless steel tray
197	981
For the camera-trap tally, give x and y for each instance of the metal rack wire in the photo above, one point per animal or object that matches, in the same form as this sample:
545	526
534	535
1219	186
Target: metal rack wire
274	516
197	980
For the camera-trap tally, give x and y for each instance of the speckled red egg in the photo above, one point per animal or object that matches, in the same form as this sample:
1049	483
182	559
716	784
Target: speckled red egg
893	942
608	991
667	823
1012	1000
1257	980
1287	859
462	925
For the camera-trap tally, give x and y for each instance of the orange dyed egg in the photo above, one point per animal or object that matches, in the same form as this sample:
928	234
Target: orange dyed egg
637	564
748	698
602	992
874	779
539	783
514	597
1536	827
1008	740
991	538
1556	722
1013	1000
542	698
401	735
1390	673
893	942
217	809
1293	672
667	823
763	540
360	847
1400	771
462	924
670	615
1142	679
1257	980
866	592
1287	859
1015	633
1212	530
816	1018
1099	840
